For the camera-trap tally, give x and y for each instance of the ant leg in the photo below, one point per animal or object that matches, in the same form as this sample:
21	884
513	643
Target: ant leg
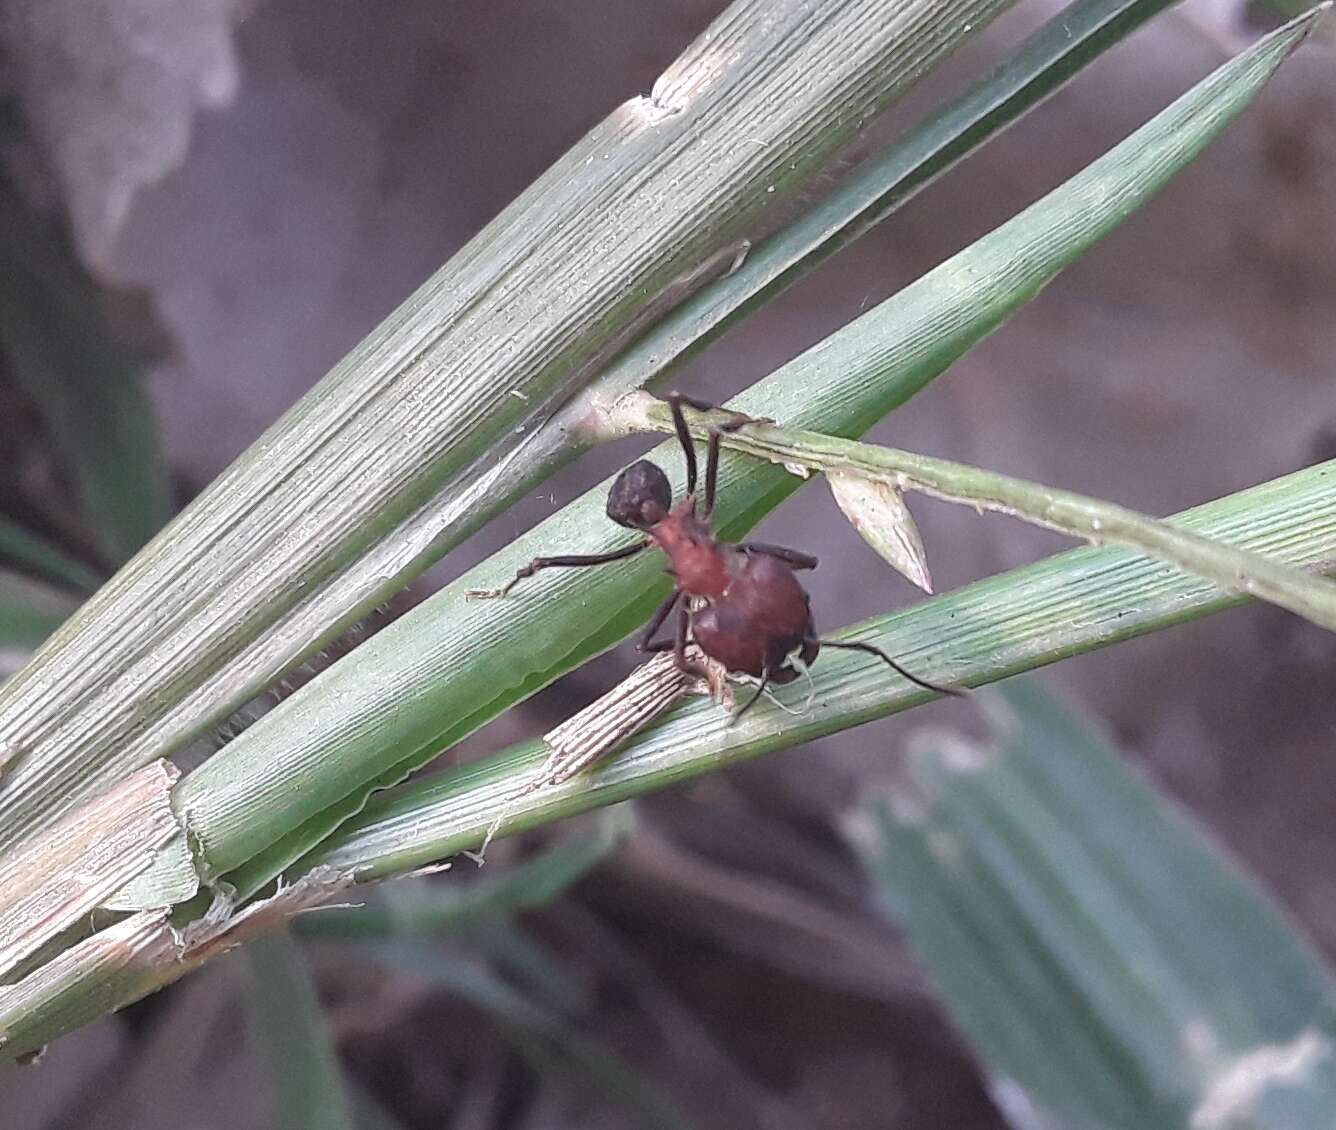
656	622
568	562
740	420
765	682
712	458
711	471
706	406
676	400
685	665
794	558
958	692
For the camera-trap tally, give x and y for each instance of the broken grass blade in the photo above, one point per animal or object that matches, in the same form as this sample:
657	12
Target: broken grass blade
411	691
1074	602
106	971
877	510
171	880
65	873
136	956
302	1061
593	733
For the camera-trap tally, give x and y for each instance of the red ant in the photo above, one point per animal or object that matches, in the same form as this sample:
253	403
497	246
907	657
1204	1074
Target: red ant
745	608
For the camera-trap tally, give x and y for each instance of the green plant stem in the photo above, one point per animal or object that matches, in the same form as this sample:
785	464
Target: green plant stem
1091	519
1065	605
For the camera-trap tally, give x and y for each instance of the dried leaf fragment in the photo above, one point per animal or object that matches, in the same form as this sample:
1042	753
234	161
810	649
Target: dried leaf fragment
139	955
66	872
594	732
878	512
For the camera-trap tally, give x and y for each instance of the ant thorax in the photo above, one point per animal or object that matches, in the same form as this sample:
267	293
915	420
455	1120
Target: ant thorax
695	558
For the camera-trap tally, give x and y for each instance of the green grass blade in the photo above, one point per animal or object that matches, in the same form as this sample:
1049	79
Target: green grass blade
546	1036
426	428
412	691
1065	605
368	1113
1061	606
1092	942
409	699
308	1081
22	547
443	907
90	393
1090	519
1047	59
30	610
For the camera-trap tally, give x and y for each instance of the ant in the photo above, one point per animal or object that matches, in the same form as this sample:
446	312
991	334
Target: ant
745	607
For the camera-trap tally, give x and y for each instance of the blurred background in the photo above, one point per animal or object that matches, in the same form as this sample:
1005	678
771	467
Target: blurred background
233	193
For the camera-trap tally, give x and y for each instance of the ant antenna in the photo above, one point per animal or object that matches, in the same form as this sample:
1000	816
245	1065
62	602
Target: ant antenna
858	645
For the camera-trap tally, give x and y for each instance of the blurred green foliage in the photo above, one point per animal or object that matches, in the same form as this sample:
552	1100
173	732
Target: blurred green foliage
1094	944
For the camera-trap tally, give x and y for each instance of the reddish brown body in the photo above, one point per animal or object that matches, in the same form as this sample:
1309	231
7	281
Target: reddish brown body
744	606
755	614
762	617
692	551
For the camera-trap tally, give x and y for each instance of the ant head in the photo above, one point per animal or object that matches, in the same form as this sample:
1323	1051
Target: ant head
641	496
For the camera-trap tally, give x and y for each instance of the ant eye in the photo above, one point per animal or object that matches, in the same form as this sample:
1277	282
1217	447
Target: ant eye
640	497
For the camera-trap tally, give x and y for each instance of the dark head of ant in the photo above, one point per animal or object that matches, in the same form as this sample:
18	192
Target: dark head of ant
640	497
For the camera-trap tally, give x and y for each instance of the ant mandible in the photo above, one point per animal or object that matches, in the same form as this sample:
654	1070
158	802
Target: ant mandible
745	607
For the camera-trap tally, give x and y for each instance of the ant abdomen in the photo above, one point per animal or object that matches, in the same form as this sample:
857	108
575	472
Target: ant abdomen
762	619
640	497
